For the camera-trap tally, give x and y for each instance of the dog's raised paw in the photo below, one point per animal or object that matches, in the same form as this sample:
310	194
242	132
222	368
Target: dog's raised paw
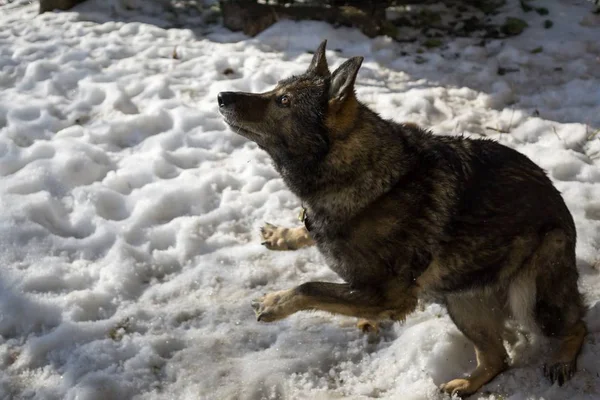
274	237
274	306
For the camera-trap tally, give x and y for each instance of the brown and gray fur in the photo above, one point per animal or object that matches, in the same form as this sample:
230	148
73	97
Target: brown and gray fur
399	213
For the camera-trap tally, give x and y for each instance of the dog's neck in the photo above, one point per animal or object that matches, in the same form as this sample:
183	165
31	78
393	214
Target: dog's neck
355	171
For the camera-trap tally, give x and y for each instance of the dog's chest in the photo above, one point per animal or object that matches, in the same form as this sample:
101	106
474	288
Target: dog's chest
343	261
352	258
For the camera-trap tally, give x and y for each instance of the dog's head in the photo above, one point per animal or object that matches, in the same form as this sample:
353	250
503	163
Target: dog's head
295	119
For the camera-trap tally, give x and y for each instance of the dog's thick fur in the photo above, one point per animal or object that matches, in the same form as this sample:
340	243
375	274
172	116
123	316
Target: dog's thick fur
398	212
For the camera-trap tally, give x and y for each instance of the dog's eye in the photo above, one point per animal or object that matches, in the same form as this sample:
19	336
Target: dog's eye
283	101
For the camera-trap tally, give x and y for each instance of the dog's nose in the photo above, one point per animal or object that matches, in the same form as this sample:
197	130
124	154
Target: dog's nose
225	98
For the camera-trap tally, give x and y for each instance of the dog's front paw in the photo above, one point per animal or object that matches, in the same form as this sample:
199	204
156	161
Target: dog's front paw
274	306
275	237
278	238
459	387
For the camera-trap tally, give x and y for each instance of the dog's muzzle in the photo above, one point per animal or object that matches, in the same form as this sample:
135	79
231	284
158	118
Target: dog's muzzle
225	99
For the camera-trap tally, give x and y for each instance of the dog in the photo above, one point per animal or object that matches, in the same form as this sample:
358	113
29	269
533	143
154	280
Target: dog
399	213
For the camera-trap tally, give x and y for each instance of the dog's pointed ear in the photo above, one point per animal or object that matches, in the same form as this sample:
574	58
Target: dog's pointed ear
343	78
318	65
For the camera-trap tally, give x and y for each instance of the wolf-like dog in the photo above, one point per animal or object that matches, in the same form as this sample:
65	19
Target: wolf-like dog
399	213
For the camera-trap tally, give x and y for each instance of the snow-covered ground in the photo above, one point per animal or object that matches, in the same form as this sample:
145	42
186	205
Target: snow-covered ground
130	214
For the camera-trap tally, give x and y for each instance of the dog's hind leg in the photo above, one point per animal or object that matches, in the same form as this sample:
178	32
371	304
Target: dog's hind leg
278	238
375	304
558	308
480	318
545	297
564	361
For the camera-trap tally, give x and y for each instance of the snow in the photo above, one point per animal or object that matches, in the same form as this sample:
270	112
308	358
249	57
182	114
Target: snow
130	214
